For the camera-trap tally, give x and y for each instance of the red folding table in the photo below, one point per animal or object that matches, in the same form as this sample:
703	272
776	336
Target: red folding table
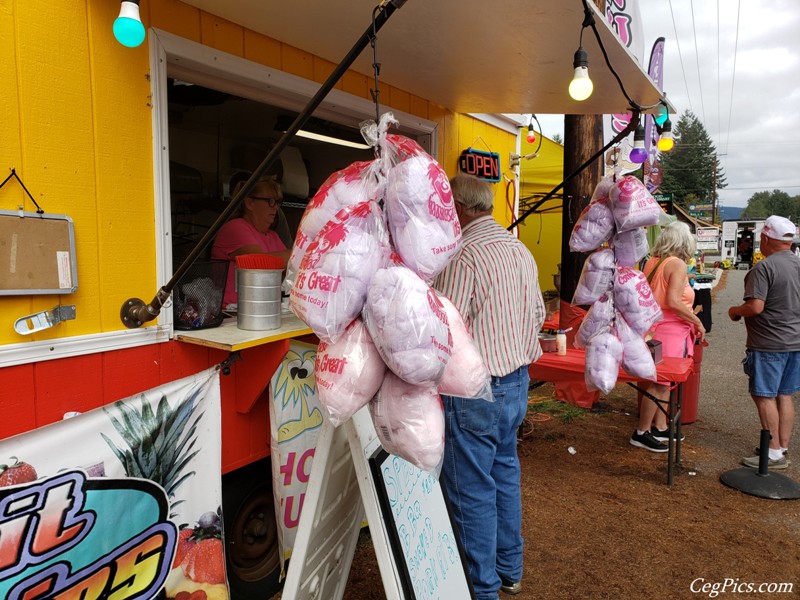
553	368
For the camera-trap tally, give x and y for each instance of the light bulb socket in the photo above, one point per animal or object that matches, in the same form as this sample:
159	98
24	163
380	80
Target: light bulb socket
581	58
129	9
638	137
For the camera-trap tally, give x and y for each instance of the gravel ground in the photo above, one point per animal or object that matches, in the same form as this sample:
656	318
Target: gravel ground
726	414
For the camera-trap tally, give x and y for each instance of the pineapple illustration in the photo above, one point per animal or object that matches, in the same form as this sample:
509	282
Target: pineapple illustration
160	445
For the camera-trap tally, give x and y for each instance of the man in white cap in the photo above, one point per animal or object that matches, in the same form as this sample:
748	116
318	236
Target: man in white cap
771	312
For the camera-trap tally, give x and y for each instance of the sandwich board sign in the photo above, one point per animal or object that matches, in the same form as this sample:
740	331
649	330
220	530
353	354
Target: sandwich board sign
414	538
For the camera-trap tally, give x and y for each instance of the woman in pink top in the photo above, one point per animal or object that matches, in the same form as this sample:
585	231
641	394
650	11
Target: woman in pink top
250	232
677	330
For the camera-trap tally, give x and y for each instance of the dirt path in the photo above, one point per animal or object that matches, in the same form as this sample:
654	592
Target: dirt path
601	522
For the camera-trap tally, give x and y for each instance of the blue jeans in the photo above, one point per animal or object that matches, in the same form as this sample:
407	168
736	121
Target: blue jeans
772	373
482	477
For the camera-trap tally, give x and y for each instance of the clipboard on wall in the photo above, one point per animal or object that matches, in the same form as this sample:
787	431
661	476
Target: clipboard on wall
37	254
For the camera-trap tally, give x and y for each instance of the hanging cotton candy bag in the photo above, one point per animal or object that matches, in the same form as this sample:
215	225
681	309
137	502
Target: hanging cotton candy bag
603	357
466	374
632	204
409	422
636	357
600	316
635	300
349	372
336	270
596	277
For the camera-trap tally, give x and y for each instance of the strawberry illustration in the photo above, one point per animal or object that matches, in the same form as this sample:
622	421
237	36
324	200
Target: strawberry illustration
17	473
195	595
185	543
205	562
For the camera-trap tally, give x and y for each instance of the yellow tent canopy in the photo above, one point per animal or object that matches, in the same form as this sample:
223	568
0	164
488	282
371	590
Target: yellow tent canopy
540	173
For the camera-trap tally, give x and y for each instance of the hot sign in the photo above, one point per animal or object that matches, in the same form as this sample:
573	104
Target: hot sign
484	165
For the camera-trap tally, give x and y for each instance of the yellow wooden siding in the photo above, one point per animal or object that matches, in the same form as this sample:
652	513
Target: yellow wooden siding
77	127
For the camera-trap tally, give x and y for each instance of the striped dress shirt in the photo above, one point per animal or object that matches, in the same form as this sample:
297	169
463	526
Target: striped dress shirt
494	283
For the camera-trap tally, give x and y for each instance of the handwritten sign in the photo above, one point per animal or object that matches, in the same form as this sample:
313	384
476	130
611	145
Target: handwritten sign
421	532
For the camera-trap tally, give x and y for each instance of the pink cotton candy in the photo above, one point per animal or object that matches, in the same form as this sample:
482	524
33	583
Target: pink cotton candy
336	271
633	206
409	421
599	317
636	357
408	324
421	215
630	247
343	189
465	374
595	226
635	300
596	277
349	373
603	356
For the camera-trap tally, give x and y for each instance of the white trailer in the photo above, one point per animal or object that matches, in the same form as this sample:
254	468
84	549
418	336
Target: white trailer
740	240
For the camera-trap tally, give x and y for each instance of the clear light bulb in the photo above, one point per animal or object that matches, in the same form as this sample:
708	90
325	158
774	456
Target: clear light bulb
128	27
581	87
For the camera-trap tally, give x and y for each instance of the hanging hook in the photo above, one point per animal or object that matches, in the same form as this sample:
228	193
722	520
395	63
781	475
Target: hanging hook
15	176
376	66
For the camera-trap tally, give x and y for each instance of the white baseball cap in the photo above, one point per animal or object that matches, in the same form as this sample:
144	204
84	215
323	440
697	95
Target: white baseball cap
779	228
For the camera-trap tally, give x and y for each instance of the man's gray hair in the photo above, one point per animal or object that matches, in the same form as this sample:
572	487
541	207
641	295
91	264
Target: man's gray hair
472	193
676	239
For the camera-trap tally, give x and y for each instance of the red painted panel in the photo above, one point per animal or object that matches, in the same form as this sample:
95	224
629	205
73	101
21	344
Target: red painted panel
68	384
130	371
17	400
179	360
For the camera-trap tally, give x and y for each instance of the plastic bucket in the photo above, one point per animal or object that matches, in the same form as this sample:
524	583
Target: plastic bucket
259	305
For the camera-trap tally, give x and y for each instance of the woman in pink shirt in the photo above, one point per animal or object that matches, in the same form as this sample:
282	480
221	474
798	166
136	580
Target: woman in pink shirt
677	330
250	232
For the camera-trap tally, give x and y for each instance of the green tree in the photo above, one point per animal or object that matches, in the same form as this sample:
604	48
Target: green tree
766	203
692	167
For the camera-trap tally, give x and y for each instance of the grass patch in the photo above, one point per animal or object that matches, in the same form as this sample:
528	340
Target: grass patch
563	411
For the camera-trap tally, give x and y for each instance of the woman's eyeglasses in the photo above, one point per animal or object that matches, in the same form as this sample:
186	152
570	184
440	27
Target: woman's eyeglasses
270	201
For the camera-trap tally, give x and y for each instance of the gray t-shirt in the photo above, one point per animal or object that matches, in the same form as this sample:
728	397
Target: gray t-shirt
776	281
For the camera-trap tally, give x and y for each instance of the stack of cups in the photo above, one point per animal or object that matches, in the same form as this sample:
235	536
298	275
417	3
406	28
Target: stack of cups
259	306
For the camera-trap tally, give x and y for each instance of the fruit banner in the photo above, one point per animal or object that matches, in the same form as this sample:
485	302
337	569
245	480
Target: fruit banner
121	503
296	421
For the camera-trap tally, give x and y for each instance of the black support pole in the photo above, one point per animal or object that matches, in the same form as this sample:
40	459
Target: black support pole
134	312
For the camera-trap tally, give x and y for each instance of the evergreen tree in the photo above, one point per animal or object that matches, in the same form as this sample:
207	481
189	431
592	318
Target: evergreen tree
692	167
763	204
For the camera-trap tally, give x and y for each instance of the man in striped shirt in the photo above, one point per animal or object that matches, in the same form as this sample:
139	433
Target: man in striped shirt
493	281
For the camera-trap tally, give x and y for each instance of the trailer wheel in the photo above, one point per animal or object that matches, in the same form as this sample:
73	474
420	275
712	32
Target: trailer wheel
252	552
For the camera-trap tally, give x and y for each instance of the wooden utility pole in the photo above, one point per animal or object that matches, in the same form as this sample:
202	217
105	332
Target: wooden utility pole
583	136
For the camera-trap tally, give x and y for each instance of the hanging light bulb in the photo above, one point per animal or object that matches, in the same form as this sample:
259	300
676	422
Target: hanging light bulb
531	135
638	154
661	114
580	88
666	141
128	27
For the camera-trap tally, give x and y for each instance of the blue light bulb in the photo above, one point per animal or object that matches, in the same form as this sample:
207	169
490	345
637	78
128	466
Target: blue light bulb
128	28
661	115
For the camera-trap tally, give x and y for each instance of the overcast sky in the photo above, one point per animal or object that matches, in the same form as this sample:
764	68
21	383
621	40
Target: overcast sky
743	83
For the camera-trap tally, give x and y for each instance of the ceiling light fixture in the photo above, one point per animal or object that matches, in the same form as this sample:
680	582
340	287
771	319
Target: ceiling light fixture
331	140
638	154
128	27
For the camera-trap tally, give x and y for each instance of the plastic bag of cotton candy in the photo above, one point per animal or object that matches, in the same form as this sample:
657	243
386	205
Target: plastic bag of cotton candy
595	224
599	316
409	421
596	277
636	357
603	357
466	374
419	207
349	373
632	204
337	268
357	183
630	246
634	299
408	324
